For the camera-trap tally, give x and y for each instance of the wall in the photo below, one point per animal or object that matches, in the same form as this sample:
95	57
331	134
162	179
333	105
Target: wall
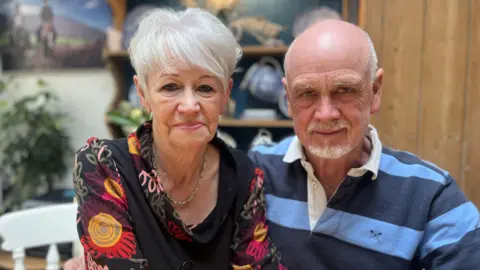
431	97
85	96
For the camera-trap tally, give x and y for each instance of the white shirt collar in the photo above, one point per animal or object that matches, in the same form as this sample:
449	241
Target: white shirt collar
295	152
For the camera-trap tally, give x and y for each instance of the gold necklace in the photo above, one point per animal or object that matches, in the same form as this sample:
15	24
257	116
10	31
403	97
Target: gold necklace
190	198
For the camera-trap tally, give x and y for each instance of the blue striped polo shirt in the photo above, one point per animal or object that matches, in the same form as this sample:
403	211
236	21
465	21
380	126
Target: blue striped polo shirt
413	216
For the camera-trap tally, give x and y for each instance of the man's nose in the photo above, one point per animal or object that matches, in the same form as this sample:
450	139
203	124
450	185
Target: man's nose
326	110
188	102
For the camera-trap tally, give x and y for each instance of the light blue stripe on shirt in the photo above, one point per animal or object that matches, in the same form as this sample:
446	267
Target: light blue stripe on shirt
391	165
365	232
450	227
279	149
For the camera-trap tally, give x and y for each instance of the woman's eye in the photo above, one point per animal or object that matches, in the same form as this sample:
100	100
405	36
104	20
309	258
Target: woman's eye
205	89
170	87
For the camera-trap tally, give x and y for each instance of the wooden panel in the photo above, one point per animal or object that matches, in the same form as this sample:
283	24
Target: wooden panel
374	22
471	182
443	83
373	17
400	58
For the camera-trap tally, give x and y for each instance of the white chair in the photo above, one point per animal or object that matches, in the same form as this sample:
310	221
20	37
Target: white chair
41	226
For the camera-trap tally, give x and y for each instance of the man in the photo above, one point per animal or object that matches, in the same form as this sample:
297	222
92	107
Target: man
46	14
337	198
46	33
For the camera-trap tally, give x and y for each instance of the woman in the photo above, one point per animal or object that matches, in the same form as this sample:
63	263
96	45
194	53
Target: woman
172	195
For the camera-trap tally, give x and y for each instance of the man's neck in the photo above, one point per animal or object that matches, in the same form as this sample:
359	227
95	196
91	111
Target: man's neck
331	172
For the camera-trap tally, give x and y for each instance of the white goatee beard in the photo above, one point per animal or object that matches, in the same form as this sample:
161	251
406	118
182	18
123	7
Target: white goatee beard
330	152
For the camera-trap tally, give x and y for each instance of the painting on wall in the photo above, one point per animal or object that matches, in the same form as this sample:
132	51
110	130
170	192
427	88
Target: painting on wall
253	22
275	22
53	34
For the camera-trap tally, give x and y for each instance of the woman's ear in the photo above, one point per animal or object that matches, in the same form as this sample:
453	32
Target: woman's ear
228	92
142	93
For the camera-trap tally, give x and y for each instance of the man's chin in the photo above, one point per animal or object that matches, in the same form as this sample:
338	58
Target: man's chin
330	152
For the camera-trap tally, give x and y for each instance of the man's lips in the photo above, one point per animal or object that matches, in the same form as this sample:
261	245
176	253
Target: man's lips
328	132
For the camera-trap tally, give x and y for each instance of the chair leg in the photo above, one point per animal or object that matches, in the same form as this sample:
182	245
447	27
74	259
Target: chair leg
53	258
18	256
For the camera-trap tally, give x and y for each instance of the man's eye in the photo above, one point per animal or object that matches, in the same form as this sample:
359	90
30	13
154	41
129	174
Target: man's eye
170	87
205	89
344	90
308	94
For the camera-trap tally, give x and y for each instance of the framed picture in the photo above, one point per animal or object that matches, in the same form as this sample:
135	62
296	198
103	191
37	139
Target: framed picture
53	34
254	23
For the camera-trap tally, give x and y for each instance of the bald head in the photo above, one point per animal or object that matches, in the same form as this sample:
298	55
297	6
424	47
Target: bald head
330	45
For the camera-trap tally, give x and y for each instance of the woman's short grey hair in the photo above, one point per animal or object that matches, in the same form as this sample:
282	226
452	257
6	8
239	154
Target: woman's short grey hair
193	36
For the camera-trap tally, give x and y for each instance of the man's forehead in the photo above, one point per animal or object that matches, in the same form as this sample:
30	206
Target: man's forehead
340	76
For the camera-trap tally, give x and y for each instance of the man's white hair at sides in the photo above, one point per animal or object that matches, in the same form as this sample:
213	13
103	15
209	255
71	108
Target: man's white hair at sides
193	37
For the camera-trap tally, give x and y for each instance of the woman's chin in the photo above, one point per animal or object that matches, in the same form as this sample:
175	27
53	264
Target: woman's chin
190	140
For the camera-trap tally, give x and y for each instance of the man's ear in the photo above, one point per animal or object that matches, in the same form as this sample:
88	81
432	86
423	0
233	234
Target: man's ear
289	103
377	91
142	94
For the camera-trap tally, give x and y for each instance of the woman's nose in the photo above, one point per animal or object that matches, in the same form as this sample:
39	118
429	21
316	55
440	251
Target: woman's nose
188	103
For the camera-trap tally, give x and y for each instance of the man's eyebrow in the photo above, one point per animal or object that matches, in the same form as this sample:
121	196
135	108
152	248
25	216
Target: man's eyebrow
302	86
347	80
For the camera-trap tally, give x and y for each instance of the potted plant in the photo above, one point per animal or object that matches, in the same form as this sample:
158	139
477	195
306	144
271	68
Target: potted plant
34	145
127	117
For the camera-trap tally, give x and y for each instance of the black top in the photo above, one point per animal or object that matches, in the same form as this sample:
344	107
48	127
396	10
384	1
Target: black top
126	222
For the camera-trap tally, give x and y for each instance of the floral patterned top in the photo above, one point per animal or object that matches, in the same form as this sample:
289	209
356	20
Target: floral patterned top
125	221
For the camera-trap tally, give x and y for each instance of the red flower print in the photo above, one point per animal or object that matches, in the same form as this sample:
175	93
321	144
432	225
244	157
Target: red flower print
257	250
108	185
177	232
107	231
92	265
260	178
258	247
89	141
258	172
252	184
133	144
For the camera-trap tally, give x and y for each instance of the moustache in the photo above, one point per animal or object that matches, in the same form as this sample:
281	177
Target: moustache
327	126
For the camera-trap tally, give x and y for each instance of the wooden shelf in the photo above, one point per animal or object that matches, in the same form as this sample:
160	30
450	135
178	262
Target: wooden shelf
261	50
6	262
267	123
247	51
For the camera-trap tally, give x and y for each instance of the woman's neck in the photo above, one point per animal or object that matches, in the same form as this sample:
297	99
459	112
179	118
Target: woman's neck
182	166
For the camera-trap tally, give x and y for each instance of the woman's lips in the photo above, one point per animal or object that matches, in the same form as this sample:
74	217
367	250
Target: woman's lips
189	126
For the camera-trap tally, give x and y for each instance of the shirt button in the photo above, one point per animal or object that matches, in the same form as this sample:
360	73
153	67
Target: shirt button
314	185
187	265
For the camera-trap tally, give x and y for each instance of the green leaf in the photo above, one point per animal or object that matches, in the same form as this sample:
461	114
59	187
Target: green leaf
41	83
119	119
3	104
3	86
35	146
